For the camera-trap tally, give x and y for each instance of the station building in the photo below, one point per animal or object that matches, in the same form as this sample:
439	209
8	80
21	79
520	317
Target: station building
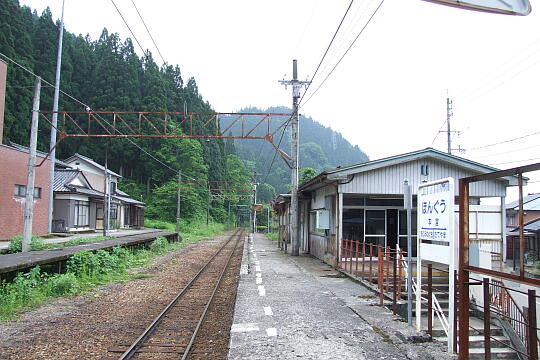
365	202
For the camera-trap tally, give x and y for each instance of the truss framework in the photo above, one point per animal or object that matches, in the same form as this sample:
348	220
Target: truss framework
147	124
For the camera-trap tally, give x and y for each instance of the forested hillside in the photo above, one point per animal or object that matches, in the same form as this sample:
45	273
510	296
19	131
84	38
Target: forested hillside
321	148
107	74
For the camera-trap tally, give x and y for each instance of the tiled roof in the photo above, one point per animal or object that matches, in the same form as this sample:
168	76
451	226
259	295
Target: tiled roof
91	162
62	178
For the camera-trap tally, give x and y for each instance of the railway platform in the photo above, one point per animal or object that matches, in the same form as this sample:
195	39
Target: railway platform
11	263
301	308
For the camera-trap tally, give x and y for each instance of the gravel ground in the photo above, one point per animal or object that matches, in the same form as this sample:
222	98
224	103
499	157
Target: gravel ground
86	327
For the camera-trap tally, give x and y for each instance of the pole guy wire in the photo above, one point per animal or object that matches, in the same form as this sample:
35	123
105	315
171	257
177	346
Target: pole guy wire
148	31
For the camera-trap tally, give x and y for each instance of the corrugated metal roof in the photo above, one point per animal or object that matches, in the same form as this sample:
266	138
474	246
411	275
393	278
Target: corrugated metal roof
530	202
91	162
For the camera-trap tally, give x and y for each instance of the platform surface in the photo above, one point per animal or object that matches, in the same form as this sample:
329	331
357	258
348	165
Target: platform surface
300	308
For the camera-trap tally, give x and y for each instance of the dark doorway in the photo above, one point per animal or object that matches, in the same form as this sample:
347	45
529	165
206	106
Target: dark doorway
391	228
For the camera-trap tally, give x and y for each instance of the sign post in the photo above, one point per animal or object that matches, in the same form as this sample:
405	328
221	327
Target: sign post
436	241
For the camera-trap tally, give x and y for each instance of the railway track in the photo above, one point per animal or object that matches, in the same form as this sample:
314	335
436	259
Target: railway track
174	332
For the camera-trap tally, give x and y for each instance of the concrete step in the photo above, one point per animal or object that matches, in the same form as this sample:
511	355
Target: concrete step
496	353
477	341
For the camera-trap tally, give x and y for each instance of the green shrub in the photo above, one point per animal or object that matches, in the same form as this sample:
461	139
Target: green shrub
159	245
537	265
63	284
15	244
83	263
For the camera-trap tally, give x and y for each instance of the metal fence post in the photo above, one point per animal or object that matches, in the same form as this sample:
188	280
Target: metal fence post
531	314
363	259
394	290
487	327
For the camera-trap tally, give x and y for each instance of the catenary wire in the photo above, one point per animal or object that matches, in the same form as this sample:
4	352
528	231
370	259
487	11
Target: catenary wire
129	28
148	31
344	54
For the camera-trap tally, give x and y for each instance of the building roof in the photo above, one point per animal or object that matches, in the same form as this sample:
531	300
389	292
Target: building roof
530	202
91	162
62	178
414	155
26	149
339	172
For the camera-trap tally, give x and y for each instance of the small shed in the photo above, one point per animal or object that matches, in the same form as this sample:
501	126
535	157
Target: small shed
365	201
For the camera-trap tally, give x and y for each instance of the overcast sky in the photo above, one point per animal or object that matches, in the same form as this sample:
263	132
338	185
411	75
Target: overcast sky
388	95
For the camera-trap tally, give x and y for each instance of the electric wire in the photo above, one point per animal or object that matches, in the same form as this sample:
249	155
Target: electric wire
129	28
515	161
438	132
503	142
344	54
309	84
148	31
326	52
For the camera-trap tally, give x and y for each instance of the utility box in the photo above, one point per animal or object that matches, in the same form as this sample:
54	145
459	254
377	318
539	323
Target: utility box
322	219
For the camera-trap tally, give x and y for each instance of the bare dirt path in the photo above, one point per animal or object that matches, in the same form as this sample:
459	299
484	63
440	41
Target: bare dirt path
86	327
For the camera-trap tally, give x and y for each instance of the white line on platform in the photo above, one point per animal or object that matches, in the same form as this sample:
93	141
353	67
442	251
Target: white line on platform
257	262
262	291
268	311
244	270
258	274
258	281
257	268
244	327
271	332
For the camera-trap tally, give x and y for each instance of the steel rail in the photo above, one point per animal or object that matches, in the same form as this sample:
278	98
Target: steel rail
132	350
203	315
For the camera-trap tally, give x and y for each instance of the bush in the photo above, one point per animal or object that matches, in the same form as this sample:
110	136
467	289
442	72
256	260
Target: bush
63	284
537	265
15	244
159	245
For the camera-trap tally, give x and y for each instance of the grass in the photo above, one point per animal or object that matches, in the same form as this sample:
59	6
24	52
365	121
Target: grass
85	270
188	231
272	236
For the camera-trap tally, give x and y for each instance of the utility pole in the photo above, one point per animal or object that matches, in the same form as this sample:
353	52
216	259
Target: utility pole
178	203
29	201
296	85
52	147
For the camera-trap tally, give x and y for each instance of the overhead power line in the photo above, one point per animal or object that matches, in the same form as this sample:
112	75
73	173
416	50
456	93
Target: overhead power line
515	161
148	31
314	74
344	54
504	142
129	28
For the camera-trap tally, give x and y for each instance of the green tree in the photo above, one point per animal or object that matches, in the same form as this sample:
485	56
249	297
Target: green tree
306	174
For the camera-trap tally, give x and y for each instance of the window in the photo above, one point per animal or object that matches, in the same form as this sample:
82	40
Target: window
313	223
113	188
20	190
511	220
81	213
375	222
424	170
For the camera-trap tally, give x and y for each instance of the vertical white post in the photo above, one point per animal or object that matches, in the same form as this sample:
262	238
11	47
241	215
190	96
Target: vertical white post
29	202
178	203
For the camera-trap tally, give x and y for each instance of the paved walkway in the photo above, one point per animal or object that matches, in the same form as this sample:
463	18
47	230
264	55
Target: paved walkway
60	239
298	307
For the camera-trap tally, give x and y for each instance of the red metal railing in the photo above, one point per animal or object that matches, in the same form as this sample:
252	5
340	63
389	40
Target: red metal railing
380	265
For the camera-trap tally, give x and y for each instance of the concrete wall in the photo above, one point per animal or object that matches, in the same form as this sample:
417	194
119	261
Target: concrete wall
3	75
14	165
